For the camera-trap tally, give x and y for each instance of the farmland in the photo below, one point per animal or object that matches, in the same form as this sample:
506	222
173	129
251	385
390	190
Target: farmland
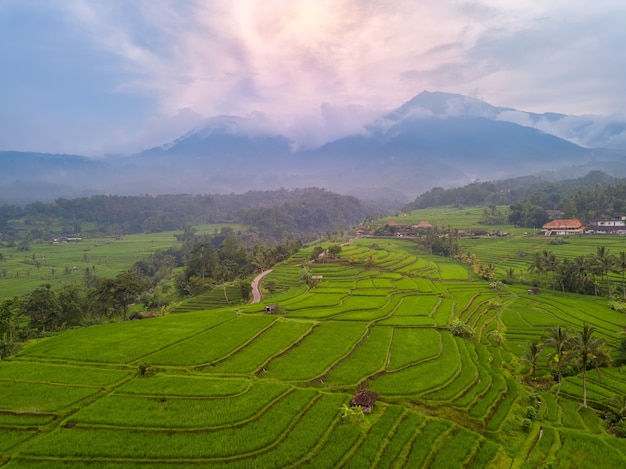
236	387
65	263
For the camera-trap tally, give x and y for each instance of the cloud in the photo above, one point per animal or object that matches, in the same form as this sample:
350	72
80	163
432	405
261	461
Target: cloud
321	67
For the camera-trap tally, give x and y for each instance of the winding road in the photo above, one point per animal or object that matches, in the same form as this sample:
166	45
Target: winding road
256	292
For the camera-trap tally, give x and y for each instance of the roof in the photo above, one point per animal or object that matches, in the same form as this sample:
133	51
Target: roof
365	399
424	224
562	224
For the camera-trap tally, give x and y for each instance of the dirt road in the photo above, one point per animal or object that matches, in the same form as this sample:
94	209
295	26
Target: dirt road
256	292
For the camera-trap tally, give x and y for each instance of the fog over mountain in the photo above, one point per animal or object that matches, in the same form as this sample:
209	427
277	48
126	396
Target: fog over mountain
435	139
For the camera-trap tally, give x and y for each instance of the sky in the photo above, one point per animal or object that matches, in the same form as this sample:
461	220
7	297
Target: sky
96	77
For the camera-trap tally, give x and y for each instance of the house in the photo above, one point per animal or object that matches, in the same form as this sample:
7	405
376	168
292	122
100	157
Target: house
563	227
608	227
423	224
365	400
271	309
533	291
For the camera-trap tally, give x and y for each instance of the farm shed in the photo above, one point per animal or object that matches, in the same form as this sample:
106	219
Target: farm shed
365	400
271	309
533	291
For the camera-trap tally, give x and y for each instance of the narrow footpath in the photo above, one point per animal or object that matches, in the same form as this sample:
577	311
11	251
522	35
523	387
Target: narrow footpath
256	292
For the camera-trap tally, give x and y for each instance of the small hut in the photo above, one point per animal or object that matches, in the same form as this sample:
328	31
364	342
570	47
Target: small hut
271	309
365	400
533	291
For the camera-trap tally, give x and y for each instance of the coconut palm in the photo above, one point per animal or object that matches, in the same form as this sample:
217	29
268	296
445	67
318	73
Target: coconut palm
621	265
606	263
531	356
587	351
558	339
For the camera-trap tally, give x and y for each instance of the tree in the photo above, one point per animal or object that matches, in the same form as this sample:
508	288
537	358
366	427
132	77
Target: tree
531	356
43	309
558	339
588	351
605	263
120	292
334	250
10	315
620	263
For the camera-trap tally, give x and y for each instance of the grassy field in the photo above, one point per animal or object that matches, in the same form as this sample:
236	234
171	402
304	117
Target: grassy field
235	387
65	263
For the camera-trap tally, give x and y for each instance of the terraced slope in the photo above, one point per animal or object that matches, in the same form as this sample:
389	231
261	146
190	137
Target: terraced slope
237	387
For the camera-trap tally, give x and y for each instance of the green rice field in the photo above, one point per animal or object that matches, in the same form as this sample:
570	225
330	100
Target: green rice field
236	387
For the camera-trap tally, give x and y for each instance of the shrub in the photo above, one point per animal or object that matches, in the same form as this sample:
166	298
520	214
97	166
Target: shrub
527	425
461	329
531	412
145	369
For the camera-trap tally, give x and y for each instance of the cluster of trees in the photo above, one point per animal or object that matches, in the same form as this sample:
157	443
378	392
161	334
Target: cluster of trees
276	215
210	261
45	310
595	196
583	274
570	353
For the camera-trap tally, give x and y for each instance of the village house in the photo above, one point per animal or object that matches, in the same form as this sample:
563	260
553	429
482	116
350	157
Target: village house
607	227
563	227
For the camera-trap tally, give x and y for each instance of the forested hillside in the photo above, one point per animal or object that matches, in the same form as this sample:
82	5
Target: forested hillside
295	213
595	195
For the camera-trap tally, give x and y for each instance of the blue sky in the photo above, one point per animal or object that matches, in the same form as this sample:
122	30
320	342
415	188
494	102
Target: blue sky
94	77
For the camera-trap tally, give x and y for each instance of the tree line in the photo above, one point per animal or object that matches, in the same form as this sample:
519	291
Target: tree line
273	215
590	274
595	196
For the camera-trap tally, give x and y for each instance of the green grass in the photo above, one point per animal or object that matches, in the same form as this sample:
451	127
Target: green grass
413	345
27	398
328	343
179	412
184	386
226	442
213	344
124	342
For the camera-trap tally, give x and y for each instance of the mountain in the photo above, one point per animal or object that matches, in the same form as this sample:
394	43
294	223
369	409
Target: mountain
434	139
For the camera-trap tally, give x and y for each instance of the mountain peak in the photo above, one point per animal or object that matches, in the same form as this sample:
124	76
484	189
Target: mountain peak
442	105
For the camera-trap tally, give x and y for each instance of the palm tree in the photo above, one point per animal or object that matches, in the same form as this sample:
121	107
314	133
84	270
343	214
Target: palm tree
621	265
558	339
605	262
537	266
587	350
531	356
550	264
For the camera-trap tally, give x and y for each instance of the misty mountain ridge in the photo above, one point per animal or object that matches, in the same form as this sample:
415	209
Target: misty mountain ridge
434	139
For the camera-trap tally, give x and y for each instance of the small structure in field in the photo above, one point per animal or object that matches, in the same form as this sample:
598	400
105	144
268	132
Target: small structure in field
533	291
271	309
365	400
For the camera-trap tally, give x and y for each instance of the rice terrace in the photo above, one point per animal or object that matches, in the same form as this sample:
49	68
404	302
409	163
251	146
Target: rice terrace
236	386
